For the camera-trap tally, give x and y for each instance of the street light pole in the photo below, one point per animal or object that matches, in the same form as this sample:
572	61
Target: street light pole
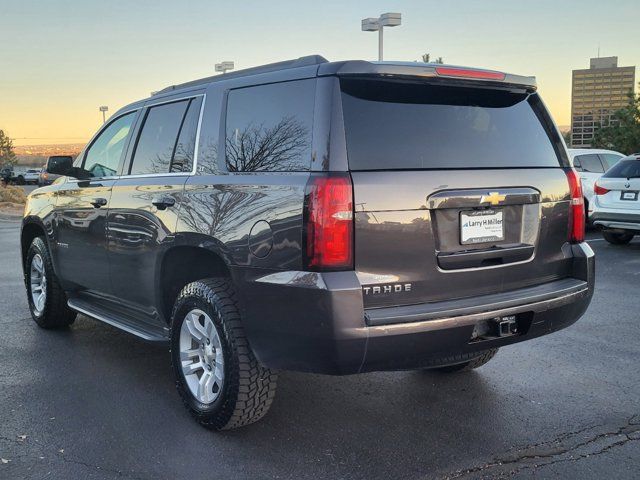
104	109
224	67
388	19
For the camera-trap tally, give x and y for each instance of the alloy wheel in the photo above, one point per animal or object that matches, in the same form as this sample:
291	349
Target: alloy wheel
38	281
201	356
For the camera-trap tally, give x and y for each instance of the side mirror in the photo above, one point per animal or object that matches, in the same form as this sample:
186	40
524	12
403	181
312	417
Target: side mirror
60	165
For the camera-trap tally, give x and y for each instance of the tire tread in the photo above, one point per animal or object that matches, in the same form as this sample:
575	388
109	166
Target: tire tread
57	313
252	386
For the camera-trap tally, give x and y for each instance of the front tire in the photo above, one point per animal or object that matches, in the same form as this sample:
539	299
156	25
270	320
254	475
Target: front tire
617	238
219	379
47	300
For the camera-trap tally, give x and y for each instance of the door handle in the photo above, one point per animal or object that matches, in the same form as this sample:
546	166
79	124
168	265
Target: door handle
163	202
98	202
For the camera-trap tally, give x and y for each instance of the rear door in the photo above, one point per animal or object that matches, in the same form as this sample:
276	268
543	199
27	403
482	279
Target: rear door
591	168
144	205
81	208
459	190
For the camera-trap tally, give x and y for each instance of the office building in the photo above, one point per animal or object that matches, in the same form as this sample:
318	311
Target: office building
596	93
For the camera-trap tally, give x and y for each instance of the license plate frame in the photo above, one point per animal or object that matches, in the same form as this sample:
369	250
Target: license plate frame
481	226
629	195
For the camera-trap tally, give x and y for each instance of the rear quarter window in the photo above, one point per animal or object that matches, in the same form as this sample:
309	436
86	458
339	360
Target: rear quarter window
268	127
401	125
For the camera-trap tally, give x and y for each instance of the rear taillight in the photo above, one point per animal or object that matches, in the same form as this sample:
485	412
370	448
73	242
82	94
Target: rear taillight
598	190
328	221
576	220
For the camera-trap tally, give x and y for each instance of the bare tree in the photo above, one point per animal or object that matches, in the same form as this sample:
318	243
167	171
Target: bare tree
259	148
426	58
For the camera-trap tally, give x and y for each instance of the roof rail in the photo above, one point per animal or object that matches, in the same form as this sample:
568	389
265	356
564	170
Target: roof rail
271	67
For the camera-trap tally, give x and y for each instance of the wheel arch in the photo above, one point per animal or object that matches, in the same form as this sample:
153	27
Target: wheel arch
183	264
31	228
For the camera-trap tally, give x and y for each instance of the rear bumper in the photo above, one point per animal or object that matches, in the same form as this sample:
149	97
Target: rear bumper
315	322
615	219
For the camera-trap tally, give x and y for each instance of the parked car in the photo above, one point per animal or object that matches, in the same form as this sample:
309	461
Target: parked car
591	164
20	176
55	162
329	217
616	208
30	176
6	173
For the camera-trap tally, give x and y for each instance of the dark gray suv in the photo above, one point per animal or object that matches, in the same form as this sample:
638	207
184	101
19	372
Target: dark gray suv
328	217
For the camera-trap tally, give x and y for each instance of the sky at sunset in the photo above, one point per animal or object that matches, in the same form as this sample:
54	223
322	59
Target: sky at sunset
61	60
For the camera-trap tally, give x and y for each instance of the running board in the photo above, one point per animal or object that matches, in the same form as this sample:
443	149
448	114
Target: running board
151	334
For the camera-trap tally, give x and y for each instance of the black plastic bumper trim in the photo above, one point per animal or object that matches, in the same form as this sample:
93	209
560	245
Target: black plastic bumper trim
473	305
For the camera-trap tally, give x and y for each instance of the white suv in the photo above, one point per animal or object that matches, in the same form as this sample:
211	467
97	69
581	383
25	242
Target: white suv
591	164
616	207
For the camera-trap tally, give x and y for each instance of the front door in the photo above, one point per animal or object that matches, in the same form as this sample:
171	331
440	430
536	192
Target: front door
81	209
143	210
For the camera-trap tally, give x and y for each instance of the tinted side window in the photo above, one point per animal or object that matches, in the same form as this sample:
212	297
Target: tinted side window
624	169
157	140
590	163
103	157
393	125
185	147
576	164
609	160
58	162
268	127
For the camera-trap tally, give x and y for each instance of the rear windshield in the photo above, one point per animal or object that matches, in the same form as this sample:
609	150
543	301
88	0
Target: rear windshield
397	125
624	169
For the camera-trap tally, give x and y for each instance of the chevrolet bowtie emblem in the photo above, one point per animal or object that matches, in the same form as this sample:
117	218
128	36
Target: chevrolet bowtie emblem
494	198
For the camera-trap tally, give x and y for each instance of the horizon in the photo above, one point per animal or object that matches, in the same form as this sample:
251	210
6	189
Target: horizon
66	58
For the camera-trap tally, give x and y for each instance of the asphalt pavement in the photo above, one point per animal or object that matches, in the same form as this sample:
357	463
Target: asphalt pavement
29	188
91	402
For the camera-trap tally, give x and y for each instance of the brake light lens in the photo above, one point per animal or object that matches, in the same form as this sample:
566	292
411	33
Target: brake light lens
469	73
598	190
576	220
329	223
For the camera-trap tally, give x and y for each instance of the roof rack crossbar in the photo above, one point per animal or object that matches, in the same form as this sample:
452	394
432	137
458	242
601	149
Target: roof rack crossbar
271	67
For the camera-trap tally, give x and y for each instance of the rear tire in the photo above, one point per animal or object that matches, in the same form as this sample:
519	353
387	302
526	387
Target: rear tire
219	379
472	364
617	238
47	300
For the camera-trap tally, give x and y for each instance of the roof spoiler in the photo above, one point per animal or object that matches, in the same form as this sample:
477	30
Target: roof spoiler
425	70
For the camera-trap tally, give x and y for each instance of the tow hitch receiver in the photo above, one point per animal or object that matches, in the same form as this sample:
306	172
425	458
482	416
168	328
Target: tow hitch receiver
498	327
506	326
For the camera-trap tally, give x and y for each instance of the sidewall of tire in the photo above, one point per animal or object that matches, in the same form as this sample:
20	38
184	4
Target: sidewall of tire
617	238
218	412
38	247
